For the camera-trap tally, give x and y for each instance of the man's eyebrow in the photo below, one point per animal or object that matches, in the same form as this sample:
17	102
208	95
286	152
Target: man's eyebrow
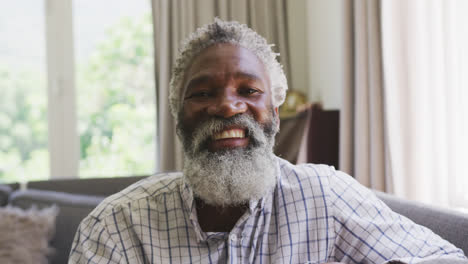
206	78
249	76
198	80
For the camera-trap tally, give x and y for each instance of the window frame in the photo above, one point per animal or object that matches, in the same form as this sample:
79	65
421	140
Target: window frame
61	95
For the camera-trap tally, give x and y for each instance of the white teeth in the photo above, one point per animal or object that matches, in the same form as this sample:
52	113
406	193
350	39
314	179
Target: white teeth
231	133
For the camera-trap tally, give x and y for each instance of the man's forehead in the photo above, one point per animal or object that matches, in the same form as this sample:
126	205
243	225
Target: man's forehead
205	75
221	59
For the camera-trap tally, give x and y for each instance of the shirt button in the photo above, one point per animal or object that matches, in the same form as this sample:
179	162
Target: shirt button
233	237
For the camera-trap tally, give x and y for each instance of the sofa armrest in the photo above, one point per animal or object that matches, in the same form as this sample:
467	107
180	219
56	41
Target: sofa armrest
91	186
72	209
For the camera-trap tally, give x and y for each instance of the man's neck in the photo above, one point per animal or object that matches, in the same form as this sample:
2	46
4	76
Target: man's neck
216	218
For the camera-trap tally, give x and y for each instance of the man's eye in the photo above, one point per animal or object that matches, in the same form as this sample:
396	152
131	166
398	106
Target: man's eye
199	94
249	91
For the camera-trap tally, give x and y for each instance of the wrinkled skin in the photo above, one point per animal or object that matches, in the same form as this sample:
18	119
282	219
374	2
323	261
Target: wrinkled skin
223	81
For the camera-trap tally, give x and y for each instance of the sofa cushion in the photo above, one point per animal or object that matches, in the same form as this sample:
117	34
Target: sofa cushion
25	234
5	191
72	209
450	225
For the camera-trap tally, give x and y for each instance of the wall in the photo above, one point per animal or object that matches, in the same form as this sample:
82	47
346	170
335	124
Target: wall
316	36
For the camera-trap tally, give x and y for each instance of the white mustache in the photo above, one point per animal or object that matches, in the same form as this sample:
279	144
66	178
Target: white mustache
204	131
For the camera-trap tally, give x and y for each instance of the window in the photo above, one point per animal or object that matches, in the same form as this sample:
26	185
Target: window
115	87
96	105
23	84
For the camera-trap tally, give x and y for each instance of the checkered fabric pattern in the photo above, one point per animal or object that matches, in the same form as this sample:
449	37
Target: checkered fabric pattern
314	215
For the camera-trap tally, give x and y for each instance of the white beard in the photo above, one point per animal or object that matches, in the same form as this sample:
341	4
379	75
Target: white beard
235	176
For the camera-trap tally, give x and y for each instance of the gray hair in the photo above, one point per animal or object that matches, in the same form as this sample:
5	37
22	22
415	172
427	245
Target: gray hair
231	32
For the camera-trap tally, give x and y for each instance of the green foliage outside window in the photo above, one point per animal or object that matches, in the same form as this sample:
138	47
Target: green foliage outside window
23	125
116	110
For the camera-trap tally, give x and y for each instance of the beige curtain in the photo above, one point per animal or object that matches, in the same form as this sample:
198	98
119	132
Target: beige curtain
405	118
426	68
173	20
363	151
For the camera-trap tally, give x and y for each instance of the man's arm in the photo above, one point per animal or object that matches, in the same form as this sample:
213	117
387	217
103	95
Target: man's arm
367	231
93	244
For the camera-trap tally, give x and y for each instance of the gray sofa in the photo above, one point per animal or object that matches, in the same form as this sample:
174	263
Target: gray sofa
76	198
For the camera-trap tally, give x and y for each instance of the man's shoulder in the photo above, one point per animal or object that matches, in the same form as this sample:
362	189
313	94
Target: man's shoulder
319	178
152	186
306	172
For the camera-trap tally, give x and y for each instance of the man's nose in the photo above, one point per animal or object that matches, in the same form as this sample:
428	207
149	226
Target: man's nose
227	106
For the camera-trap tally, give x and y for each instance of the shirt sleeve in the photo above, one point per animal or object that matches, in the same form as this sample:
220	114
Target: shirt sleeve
93	244
368	231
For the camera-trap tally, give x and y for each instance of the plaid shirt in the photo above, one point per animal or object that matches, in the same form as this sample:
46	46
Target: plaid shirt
314	215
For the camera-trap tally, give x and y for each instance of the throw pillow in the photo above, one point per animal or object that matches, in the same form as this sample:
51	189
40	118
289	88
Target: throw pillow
25	234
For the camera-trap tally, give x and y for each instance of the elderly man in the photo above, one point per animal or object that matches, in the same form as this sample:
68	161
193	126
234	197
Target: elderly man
236	202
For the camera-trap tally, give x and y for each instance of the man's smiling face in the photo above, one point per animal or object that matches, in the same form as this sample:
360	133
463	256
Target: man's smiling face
227	126
225	81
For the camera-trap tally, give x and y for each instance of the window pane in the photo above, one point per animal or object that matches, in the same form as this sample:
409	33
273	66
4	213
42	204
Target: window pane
23	101
115	87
